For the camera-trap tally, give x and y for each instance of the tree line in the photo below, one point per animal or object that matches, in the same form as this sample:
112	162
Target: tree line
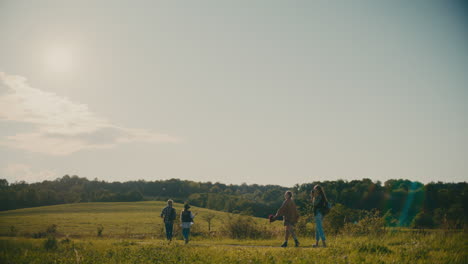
400	202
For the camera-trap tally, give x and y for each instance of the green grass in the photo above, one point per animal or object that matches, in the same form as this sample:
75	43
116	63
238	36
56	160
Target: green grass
132	234
401	248
137	219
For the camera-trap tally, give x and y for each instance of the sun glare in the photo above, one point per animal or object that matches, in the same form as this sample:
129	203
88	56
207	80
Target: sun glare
59	59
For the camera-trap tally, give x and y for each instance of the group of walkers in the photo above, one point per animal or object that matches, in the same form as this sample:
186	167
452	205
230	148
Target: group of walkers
288	211
186	216
291	216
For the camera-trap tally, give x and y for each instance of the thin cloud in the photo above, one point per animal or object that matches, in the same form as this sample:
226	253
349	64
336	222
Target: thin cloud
61	126
15	172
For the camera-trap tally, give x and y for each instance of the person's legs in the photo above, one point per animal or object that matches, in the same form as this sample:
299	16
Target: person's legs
166	226
286	235
319	233
185	233
170	231
169	227
318	225
293	234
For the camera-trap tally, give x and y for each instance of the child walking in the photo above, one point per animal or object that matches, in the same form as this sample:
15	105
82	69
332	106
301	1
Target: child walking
289	211
186	217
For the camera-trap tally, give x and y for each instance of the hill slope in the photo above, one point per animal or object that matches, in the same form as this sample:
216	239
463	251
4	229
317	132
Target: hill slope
129	219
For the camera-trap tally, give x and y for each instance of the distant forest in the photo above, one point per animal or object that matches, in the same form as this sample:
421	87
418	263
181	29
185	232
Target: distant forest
400	202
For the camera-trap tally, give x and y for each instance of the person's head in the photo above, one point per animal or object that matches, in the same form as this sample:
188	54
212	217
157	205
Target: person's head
169	202
186	207
319	190
288	195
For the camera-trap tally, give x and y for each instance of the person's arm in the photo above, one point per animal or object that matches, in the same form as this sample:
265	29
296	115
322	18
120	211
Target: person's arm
282	209
163	212
192	215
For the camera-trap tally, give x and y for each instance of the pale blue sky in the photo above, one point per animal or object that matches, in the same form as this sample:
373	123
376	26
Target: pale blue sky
267	92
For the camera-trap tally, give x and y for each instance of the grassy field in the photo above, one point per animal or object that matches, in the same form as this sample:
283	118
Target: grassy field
132	219
132	234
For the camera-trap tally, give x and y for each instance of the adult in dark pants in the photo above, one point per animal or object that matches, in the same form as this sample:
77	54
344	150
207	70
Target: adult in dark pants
169	215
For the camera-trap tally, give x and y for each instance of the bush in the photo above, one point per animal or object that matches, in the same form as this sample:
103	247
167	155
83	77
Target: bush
100	228
65	241
338	216
50	243
370	224
243	227
422	220
39	234
301	227
52	229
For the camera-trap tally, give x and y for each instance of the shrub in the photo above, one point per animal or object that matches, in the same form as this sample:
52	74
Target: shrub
208	218
50	243
301	227
242	227
100	228
52	229
370	224
338	216
65	241
39	234
422	220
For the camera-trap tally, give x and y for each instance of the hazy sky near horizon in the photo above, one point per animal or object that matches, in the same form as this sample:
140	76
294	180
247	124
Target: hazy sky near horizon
267	92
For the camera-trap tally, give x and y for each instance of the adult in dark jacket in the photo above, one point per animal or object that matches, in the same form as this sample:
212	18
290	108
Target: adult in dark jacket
169	215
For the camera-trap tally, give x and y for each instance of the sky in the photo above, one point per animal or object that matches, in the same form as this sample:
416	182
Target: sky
265	92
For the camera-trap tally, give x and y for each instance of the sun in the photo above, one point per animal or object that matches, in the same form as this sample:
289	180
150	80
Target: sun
59	59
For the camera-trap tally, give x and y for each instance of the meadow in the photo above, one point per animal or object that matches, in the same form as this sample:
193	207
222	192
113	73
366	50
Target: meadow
133	233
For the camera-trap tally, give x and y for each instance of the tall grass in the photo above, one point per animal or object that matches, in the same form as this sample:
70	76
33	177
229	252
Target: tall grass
400	247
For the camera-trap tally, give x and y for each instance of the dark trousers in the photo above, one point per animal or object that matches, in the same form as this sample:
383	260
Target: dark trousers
169	226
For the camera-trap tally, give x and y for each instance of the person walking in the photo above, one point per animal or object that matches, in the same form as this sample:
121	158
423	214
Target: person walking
320	205
290	217
169	215
186	217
